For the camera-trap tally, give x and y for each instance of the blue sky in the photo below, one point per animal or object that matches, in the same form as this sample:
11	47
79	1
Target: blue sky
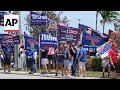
87	18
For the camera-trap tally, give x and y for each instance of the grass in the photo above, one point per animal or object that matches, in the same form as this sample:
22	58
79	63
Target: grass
88	73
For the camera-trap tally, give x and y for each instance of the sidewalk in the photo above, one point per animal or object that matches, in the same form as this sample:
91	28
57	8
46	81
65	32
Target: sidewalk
48	75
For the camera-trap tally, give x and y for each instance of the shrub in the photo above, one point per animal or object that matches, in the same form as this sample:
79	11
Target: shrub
96	64
118	66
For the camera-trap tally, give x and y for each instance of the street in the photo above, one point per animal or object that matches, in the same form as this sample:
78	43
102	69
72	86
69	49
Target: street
24	75
16	76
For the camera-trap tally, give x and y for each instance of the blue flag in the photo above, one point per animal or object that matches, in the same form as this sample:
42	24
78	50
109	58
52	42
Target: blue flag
30	43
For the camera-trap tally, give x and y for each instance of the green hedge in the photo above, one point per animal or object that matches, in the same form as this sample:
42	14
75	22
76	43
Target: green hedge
96	64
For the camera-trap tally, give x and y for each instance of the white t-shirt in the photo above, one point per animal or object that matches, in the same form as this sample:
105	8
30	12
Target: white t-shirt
23	52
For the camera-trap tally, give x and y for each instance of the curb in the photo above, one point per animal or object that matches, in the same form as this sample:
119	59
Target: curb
50	75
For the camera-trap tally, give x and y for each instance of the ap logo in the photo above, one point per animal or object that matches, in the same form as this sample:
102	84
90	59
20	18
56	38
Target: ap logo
11	23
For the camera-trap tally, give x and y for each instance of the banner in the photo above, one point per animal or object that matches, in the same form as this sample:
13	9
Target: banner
38	18
68	34
16	39
103	50
5	39
46	39
90	40
30	43
2	18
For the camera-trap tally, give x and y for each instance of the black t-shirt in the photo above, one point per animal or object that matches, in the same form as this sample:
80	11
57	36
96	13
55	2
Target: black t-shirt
44	54
73	54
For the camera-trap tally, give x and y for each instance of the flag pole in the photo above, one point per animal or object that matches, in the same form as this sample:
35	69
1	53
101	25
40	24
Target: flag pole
39	53
46	22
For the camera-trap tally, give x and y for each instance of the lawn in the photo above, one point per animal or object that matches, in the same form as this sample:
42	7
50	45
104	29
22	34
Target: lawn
88	73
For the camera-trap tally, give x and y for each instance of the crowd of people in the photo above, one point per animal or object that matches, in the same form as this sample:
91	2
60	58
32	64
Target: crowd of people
67	57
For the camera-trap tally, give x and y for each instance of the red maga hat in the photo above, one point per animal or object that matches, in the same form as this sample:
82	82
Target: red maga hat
114	44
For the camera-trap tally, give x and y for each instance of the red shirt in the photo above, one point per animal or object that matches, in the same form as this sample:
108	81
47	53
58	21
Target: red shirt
113	54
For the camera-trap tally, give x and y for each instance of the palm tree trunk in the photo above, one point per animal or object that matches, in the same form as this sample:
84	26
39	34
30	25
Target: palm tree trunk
96	19
103	27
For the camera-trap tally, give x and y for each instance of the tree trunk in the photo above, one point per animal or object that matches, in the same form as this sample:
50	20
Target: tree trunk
96	19
103	27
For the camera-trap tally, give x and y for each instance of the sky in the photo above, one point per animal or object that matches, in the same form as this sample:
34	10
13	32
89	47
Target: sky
87	18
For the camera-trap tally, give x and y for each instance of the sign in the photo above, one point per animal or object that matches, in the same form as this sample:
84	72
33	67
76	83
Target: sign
2	18
91	40
16	39
68	34
38	18
6	38
47	39
11	23
30	43
103	50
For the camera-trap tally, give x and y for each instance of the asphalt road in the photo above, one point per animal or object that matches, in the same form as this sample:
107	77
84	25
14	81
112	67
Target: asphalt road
16	76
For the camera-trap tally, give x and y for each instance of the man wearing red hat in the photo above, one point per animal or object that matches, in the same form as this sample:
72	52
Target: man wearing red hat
113	60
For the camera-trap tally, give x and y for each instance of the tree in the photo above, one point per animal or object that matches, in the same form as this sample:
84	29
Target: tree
52	15
117	36
108	17
96	19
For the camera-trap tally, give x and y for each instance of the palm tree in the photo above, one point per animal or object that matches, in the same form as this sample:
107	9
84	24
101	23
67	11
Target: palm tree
108	17
97	12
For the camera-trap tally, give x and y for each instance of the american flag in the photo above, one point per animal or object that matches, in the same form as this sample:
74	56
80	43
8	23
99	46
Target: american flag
52	25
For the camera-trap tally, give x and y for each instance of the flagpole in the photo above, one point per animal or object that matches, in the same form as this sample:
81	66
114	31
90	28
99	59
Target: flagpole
46	22
39	53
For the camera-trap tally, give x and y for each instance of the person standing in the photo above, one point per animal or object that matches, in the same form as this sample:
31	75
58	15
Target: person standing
67	61
30	56
44	60
113	60
78	49
35	60
82	60
51	53
73	52
22	57
59	58
7	58
1	59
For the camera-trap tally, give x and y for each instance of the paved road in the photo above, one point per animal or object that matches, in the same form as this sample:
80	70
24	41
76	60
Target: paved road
16	76
25	75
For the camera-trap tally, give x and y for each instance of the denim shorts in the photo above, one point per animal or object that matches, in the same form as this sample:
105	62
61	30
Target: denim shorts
58	61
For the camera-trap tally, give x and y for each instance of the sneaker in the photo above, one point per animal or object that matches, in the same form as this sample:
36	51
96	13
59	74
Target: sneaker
56	74
42	72
30	73
45	72
69	76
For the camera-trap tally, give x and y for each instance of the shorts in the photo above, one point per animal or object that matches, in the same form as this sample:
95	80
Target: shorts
82	65
50	57
105	62
114	68
7	62
67	64
44	61
58	61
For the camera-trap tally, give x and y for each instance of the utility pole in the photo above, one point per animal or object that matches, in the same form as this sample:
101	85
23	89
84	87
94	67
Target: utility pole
16	45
